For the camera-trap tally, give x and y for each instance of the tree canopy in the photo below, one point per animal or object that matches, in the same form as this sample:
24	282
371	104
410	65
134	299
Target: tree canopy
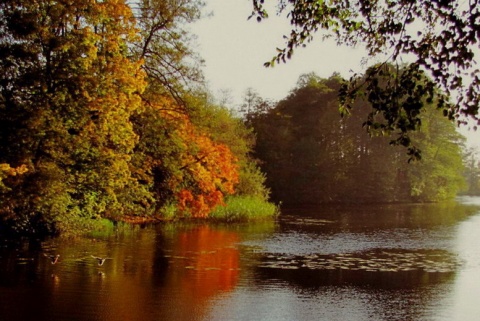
165	46
441	35
98	118
311	155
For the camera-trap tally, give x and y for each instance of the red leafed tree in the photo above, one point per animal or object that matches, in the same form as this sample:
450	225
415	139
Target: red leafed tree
210	171
182	164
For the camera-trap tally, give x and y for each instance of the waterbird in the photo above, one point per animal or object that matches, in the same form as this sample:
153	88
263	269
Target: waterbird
101	260
53	258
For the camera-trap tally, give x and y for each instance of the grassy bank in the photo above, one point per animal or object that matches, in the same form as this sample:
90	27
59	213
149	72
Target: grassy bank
244	209
237	209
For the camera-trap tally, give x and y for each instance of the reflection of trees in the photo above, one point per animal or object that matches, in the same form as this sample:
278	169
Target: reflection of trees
313	279
329	218
141	282
381	296
213	261
153	275
160	262
203	262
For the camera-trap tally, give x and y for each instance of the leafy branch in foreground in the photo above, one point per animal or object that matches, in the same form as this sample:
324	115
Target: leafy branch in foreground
440	35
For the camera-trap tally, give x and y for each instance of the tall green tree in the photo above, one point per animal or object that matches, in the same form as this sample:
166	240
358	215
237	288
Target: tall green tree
66	104
472	172
439	176
165	45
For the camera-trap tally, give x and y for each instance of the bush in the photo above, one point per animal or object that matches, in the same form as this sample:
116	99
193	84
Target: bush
252	182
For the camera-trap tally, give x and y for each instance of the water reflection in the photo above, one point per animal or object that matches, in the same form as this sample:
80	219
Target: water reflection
206	249
150	274
335	229
203	263
380	260
402	262
402	272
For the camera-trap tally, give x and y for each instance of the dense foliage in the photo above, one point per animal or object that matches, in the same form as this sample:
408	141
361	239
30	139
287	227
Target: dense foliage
101	117
441	36
96	119
311	155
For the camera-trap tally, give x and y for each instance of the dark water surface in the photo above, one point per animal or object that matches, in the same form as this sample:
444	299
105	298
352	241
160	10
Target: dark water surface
396	262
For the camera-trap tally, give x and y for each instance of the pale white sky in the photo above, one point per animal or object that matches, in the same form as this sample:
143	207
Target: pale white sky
235	49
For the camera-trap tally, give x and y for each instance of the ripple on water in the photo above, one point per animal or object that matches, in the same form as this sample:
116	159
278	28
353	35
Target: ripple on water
380	268
377	260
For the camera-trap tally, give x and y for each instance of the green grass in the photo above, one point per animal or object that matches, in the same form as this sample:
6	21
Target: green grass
244	209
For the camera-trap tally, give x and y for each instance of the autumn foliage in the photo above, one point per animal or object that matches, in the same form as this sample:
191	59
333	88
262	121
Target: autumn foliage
89	119
192	170
211	171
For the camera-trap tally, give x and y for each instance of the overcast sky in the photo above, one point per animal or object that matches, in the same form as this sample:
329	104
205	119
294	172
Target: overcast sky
235	49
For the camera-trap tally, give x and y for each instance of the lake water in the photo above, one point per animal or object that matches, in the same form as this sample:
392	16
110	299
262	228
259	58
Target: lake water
395	262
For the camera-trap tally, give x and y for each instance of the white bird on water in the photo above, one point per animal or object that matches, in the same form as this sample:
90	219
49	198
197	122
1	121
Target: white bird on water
101	260
53	258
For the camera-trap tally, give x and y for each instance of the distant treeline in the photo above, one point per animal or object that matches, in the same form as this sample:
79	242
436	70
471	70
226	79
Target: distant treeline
312	155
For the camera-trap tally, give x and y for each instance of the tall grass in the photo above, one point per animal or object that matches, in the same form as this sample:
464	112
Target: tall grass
244	209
